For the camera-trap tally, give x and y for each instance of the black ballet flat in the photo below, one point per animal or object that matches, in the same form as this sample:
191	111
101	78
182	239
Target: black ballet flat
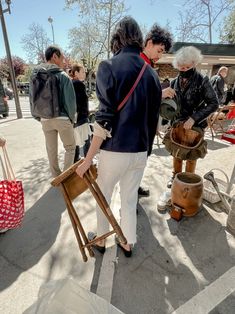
99	248
126	252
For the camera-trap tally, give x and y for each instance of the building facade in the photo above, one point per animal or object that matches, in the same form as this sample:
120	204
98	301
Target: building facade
214	56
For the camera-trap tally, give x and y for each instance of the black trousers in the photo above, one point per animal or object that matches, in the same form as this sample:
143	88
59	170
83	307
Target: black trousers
79	149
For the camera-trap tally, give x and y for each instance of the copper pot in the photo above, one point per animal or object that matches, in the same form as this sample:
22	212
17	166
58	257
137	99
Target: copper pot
186	193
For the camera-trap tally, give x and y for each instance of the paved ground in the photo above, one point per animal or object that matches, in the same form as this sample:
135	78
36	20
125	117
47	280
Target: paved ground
25	108
181	267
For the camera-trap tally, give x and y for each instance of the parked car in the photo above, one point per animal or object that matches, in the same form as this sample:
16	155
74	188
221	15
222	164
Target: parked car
4	108
9	92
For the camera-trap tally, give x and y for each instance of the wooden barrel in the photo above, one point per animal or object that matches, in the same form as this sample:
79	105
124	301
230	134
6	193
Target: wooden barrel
186	193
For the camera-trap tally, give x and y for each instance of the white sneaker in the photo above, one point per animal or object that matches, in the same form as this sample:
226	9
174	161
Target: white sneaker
164	201
3	230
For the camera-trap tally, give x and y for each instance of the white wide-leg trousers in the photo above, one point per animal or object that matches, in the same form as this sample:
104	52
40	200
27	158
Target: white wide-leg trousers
127	169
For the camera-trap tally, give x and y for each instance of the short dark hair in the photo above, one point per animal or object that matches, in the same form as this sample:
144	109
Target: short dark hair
159	35
51	50
126	33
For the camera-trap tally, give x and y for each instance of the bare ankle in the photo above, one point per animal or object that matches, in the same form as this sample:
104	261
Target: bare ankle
126	246
101	243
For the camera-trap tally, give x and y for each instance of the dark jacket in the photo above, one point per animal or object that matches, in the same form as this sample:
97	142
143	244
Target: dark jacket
134	126
233	94
217	82
198	100
66	90
82	102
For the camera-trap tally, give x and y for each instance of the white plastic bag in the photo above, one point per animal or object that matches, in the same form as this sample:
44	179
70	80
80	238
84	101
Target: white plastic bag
67	296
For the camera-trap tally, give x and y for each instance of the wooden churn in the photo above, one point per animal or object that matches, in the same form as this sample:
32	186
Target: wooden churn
186	195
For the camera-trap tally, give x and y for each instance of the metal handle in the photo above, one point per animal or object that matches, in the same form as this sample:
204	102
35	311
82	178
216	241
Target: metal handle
210	177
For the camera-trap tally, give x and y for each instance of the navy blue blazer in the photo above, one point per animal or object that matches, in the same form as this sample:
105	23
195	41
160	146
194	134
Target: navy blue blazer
134	126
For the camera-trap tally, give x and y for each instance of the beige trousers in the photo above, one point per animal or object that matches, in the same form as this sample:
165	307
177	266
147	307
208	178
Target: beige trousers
51	129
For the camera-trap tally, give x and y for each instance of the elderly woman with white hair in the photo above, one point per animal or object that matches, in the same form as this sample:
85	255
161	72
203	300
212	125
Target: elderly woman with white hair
196	100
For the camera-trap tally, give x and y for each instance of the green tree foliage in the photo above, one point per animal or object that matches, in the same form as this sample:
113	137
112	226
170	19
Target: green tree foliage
228	29
90	40
28	69
97	17
35	43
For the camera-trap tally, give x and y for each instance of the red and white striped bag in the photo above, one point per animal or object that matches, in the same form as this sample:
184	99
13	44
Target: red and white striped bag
229	136
11	196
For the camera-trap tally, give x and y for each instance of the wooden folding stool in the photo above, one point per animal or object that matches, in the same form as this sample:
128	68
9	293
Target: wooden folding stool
71	186
217	120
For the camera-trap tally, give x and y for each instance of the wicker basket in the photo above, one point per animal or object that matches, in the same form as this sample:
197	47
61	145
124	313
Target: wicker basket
185	138
209	192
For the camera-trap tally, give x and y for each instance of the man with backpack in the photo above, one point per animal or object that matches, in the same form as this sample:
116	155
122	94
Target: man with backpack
53	103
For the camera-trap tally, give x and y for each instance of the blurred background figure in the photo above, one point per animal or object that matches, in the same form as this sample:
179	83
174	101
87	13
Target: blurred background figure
4	108
218	83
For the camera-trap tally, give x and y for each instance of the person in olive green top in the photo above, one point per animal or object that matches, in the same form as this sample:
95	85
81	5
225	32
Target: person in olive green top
62	124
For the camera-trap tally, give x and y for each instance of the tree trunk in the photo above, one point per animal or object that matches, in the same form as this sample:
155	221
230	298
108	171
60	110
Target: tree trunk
209	24
109	27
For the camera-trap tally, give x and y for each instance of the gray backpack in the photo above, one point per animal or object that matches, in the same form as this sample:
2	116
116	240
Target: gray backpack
44	93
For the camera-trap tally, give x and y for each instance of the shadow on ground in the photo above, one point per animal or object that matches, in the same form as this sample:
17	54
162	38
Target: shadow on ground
159	279
22	248
213	145
34	177
160	151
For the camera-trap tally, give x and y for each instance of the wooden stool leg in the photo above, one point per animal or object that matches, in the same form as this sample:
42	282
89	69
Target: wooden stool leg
71	186
77	226
77	236
110	216
98	195
81	230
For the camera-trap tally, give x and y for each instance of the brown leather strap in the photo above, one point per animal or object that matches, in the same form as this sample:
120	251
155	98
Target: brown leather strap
133	87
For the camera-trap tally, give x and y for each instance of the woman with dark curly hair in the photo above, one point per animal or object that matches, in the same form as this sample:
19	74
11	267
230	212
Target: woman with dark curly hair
123	136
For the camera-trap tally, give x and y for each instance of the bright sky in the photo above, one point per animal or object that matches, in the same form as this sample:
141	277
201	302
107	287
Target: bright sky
25	12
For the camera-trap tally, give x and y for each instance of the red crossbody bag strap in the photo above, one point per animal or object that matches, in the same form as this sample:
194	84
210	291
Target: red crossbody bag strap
133	87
